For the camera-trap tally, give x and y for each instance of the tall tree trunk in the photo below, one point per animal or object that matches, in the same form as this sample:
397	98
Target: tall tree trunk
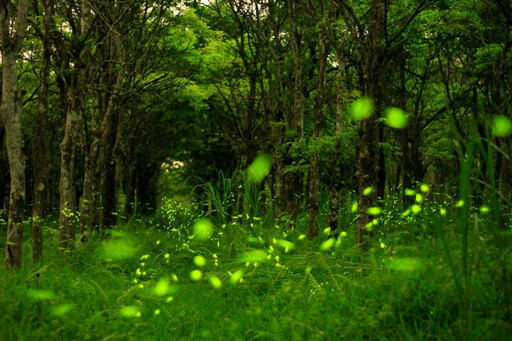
381	173
76	93
41	155
368	153
129	188
314	172
67	185
334	190
295	116
4	175
109	126
86	215
10	112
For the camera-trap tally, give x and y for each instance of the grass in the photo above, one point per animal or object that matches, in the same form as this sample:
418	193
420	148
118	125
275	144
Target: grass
404	288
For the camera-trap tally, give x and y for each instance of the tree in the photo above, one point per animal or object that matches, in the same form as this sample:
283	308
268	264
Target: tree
11	107
41	146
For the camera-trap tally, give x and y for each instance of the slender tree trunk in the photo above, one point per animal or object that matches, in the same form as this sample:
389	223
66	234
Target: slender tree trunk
4	174
86	208
10	113
314	173
381	173
41	155
109	127
334	190
295	116
67	185
368	153
129	189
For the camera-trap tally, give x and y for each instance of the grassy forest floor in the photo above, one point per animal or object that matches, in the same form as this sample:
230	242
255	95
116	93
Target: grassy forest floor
142	283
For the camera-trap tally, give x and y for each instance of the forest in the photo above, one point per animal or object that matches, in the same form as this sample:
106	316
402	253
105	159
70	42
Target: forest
256	169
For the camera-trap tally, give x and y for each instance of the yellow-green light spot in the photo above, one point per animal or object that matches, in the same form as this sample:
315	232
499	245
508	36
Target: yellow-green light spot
484	209
162	287
259	169
253	256
236	277
215	282
374	211
442	211
415	209
118	249
460	203
368	191
419	197
41	294
361	108
501	126
404	264
410	192
203	229
327	245
196	275
285	244
156	312
199	261
130	311
62	309
396	118
353	209
425	188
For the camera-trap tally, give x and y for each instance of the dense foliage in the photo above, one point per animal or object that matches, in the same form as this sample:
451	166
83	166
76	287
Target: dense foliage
256	169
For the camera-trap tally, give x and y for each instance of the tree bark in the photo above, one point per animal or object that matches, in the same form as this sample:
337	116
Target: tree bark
109	126
314	173
294	118
334	190
10	112
368	153
67	185
41	150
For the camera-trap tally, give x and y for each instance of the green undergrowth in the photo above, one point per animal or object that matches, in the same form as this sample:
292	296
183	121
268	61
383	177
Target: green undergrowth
137	285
